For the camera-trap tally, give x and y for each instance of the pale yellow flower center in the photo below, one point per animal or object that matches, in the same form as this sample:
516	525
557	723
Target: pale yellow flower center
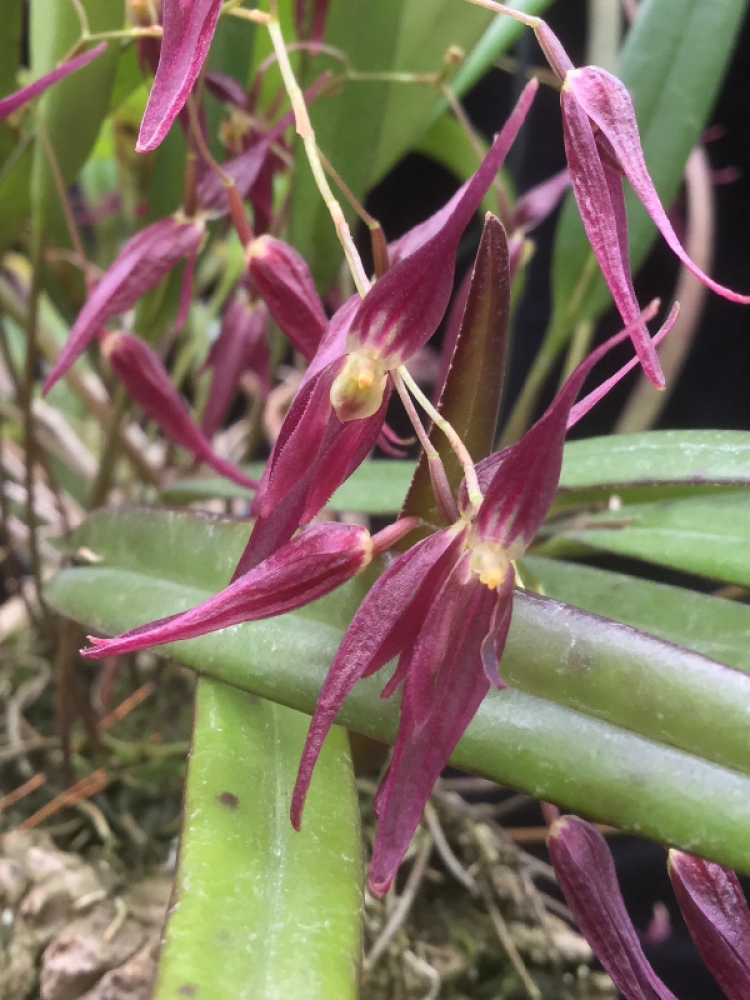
357	391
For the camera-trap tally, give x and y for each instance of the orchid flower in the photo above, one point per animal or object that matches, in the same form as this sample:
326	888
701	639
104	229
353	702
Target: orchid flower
710	898
141	371
602	144
141	263
20	97
241	345
339	411
189	26
444	608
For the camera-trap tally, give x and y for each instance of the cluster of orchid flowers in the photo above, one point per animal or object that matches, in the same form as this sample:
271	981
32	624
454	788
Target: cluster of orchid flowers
442	607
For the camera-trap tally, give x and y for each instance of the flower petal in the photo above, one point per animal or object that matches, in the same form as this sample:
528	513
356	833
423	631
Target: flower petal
445	684
403	308
143	261
141	371
20	97
607	103
716	913
189	26
307	568
241	344
586	874
519	482
387	621
600	202
286	286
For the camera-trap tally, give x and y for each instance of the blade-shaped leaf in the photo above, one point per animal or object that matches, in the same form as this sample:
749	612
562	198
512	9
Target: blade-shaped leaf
626	777
673	63
272	903
707	535
710	625
377	487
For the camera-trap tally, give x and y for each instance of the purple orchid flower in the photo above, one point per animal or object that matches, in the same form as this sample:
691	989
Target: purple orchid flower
147	381
143	261
710	898
444	608
20	97
717	916
339	411
310	566
189	26
241	345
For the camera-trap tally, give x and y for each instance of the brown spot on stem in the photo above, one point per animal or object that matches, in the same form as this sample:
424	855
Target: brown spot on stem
228	799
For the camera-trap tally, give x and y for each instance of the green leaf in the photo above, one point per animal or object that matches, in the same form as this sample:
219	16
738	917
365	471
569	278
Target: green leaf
679	774
10	44
709	535
376	487
712	626
71	112
673	63
257	906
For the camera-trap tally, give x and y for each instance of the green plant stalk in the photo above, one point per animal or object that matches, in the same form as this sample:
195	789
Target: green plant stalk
259	910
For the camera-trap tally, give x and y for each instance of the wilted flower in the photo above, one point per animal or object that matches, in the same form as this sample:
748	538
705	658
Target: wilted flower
142	262
20	97
339	411
141	371
189	26
444	608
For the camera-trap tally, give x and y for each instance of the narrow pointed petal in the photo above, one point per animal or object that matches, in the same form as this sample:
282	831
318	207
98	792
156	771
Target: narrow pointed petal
586	874
519	482
539	202
307	568
189	26
333	342
20	97
607	103
241	345
583	406
285	284
141	371
600	202
716	913
228	90
444	685
141	263
404	307
387	621
310	19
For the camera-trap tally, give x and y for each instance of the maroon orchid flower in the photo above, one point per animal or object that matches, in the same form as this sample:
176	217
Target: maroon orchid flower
710	898
285	284
20	97
717	916
310	566
142	262
310	19
339	412
141	371
444	609
189	26
241	345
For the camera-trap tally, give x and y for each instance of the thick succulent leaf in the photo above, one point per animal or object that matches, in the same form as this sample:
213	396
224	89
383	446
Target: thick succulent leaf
706	535
673	67
577	756
375	487
73	110
256	905
712	626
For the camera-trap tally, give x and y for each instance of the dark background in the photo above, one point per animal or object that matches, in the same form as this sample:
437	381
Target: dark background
712	391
